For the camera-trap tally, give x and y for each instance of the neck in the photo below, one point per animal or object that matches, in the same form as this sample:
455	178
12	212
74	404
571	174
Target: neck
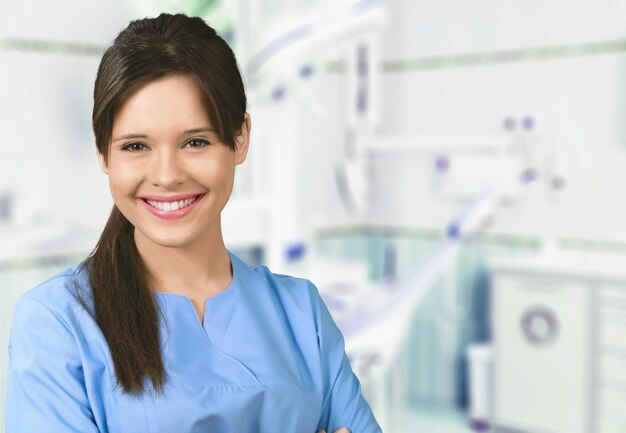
198	270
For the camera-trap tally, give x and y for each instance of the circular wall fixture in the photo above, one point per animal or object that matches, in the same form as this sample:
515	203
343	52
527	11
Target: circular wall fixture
539	326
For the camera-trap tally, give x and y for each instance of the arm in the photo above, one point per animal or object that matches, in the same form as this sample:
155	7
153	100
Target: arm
344	404
45	388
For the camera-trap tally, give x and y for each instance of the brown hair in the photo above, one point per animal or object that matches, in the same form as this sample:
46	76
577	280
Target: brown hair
124	306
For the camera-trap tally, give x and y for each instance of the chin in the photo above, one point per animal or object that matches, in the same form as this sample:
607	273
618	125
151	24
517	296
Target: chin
167	240
173	243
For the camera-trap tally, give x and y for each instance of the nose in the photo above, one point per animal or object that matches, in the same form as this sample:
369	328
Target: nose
165	169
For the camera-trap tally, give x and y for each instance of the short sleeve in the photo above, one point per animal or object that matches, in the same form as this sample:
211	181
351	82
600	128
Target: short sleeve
45	387
344	405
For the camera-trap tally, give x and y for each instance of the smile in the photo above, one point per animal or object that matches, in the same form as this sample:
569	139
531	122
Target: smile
174	208
168	206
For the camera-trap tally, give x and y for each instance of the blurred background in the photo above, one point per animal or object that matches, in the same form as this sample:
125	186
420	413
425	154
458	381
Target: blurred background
450	174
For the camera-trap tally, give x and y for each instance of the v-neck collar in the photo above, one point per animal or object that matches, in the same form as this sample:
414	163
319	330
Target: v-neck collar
226	292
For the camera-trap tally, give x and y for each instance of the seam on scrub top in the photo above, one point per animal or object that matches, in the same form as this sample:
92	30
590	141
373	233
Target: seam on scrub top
253	385
54	315
203	331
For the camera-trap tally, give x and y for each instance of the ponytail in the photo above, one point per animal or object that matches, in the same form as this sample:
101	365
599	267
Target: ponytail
124	306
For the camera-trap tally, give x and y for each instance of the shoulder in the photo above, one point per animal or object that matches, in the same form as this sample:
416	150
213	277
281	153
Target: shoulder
47	333
300	302
286	282
57	296
298	292
293	295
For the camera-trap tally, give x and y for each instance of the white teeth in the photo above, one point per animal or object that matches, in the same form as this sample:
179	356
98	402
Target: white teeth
156	204
170	206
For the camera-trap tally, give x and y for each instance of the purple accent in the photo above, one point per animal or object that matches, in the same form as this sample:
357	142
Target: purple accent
528	123
529	175
361	64
361	103
390	263
277	45
479	425
278	93
295	251
360	7
509	124
453	230
306	71
442	163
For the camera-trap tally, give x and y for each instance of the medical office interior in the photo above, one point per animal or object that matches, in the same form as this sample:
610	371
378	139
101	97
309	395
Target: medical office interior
450	174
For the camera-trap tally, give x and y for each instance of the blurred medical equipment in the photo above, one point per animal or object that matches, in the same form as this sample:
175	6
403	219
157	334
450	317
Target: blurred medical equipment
375	318
317	32
287	54
353	177
480	373
559	324
484	176
480	175
278	62
461	165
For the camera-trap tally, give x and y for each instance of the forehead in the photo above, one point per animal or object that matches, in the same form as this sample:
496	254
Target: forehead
170	103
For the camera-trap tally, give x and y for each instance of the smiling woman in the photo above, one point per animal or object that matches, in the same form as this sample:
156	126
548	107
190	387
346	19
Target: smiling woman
167	153
161	328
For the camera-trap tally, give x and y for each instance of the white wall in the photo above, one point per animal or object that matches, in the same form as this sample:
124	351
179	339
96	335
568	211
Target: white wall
577	99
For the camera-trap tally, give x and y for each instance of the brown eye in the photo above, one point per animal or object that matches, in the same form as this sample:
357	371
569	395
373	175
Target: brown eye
133	147
197	143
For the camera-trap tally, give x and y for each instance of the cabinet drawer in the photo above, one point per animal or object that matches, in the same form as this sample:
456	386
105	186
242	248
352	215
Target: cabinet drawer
613	291
612	400
610	424
612	334
612	298
613	369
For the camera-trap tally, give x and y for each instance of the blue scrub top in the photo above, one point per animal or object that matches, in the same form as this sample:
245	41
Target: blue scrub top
268	358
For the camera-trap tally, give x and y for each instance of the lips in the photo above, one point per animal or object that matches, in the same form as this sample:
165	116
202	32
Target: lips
171	207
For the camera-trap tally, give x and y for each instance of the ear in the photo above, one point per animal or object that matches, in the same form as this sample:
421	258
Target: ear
243	140
103	165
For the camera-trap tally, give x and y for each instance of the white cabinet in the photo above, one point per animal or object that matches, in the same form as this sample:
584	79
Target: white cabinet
610	345
559	329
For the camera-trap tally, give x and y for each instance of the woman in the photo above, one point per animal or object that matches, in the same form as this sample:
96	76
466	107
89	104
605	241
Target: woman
161	328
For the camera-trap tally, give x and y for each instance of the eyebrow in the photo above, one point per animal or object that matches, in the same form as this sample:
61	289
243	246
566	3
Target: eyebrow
185	132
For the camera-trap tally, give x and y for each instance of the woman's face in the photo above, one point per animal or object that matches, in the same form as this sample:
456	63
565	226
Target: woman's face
169	173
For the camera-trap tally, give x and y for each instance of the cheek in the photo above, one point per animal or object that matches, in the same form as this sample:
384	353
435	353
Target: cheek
213	173
123	180
224	179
